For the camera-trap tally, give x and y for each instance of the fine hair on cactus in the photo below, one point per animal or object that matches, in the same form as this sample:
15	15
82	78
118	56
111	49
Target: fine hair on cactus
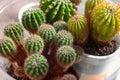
34	44
32	19
36	66
57	9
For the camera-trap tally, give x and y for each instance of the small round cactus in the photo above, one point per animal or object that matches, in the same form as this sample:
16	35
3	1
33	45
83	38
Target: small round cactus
76	2
77	25
7	47
105	22
89	6
34	44
66	55
36	66
14	31
64	38
47	32
32	19
57	9
68	77
60	25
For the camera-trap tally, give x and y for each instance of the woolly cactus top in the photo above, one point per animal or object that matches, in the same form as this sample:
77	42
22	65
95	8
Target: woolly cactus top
47	32
64	38
34	44
14	30
36	66
66	55
6	46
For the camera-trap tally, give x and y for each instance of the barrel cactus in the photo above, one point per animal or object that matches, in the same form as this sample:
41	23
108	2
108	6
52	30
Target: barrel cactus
57	9
105	22
47	32
89	6
64	38
76	2
34	44
14	31
66	55
36	66
32	19
60	25
77	25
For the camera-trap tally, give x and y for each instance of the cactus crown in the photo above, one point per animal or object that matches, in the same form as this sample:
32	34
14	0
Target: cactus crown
36	66
34	44
57	9
14	31
32	19
60	25
64	38
66	55
47	32
105	22
6	47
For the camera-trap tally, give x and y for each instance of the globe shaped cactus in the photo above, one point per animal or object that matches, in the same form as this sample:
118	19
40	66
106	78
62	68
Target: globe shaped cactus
76	2
36	66
66	55
34	44
89	6
77	25
14	31
60	25
57	9
47	32
64	38
32	19
105	22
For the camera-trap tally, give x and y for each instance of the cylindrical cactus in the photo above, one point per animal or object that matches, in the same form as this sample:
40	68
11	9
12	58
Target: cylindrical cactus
57	9
34	44
60	25
47	32
105	22
64	38
14	31
76	2
89	6
32	19
77	25
36	66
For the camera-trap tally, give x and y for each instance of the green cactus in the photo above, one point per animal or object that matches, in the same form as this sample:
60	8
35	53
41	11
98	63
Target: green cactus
32	19
76	2
77	25
105	22
47	32
66	55
34	44
64	38
89	6
60	25
14	31
57	9
36	66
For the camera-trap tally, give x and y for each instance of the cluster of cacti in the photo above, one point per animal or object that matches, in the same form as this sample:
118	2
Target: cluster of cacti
77	25
36	66
57	9
32	19
76	2
47	32
34	44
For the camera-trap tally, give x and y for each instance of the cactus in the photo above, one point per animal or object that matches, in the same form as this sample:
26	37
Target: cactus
14	31
77	25
89	6
68	77
57	9
64	38
47	32
60	25
32	19
34	44
76	2
105	22
36	66
66	55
